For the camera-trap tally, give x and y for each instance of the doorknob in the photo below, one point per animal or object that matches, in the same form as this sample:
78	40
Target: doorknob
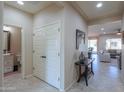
43	56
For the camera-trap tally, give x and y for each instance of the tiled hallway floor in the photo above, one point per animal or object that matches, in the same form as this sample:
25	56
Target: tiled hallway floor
32	84
106	78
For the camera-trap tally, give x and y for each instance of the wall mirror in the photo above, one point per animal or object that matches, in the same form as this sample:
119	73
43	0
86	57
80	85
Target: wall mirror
6	41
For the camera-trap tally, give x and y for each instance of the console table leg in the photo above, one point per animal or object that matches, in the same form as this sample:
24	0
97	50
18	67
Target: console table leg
92	68
79	77
85	75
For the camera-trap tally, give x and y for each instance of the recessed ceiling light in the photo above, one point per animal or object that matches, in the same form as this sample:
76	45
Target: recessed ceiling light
104	32
102	29
99	5
20	2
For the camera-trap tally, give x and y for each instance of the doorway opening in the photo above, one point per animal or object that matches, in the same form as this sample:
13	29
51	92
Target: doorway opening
12	50
92	43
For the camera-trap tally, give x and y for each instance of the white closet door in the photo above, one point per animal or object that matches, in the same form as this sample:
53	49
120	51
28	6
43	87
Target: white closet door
46	56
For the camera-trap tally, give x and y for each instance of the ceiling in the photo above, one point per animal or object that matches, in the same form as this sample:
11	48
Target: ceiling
109	8
108	16
30	6
109	28
87	9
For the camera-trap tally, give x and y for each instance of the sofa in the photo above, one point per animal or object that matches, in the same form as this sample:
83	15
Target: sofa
104	57
114	53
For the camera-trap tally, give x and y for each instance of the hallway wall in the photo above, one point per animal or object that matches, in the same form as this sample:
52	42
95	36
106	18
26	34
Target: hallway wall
102	40
1	50
122	71
72	21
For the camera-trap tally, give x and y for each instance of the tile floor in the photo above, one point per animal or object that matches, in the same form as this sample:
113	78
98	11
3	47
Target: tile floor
106	78
17	84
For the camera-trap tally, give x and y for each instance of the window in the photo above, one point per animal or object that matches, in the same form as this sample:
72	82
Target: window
113	43
93	44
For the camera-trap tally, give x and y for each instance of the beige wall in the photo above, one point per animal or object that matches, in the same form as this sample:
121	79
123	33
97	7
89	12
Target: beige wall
1	50
15	17
15	41
48	15
122	22
72	21
122	71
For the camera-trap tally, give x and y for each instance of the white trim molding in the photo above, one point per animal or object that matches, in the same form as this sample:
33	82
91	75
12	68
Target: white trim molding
28	76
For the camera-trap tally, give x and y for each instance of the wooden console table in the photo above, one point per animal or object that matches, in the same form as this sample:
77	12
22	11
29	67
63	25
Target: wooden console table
87	70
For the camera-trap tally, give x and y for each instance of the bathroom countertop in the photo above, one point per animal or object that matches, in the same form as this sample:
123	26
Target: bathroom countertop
7	54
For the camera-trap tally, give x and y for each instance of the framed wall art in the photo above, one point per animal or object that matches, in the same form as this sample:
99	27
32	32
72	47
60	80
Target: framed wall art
80	37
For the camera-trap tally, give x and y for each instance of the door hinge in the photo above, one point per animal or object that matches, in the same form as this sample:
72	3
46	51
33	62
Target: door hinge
58	79
58	29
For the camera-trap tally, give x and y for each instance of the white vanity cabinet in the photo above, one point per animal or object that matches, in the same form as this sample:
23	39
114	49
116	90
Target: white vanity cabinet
8	63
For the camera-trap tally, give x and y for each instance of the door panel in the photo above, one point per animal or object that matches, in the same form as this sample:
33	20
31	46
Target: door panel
46	43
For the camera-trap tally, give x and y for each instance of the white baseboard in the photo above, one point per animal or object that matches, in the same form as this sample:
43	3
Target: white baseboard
28	76
61	90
